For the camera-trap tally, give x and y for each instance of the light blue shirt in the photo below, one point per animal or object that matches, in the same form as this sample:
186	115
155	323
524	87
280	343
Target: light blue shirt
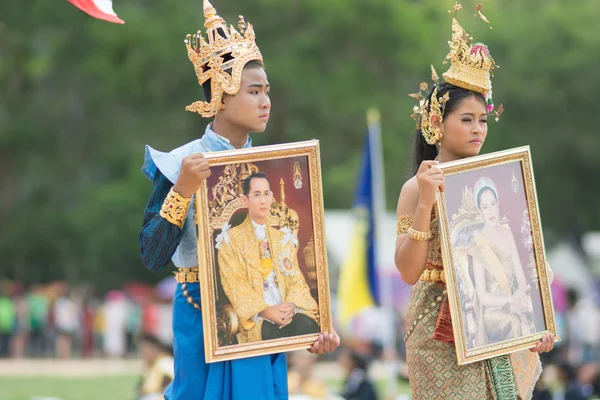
169	164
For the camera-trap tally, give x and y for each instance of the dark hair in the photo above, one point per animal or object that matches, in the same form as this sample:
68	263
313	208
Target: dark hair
568	370
256	175
360	361
424	151
485	189
155	342
573	297
250	64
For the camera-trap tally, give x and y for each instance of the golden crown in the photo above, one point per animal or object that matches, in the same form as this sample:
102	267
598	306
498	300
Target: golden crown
220	58
471	63
471	66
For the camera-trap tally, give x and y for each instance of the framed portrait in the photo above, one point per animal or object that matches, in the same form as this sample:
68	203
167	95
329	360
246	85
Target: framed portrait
264	281
493	253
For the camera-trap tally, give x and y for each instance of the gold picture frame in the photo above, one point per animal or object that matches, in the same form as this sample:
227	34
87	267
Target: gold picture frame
489	203
296	211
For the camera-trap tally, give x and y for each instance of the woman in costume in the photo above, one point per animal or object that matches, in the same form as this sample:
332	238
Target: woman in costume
451	125
503	306
229	66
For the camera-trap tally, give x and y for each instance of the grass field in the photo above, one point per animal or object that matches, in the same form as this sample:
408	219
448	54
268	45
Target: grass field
46	388
78	388
102	379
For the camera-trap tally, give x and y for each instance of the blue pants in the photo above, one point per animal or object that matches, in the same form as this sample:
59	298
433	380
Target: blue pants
255	378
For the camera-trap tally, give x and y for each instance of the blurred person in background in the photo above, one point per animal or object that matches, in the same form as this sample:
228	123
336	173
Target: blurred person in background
301	379
115	320
541	391
588	378
560	298
134	325
99	327
87	328
7	324
237	98
150	318
158	367
574	334
66	317
22	327
38	309
357	385
584	330
164	316
402	375
568	388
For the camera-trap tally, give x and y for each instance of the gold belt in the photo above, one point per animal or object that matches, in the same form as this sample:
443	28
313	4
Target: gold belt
187	275
433	275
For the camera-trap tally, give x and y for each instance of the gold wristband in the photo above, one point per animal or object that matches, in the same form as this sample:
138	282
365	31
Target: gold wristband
175	208
418	235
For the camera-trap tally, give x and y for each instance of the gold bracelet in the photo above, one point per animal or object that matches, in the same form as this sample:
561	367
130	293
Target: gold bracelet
175	208
418	235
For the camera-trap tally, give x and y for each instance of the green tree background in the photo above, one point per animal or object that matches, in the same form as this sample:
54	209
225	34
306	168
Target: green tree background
79	98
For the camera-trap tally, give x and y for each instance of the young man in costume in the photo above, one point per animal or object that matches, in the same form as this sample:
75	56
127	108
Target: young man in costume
229	66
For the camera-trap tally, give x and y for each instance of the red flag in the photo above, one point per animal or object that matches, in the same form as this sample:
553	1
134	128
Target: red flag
101	9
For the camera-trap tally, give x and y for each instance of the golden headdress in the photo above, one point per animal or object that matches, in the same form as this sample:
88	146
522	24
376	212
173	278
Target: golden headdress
423	112
471	63
220	58
471	67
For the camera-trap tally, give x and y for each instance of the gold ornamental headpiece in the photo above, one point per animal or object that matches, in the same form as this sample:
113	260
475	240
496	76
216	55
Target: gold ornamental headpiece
428	107
471	63
471	67
220	58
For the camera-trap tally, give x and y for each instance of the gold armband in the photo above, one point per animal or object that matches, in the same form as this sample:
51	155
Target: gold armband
404	223
418	235
175	208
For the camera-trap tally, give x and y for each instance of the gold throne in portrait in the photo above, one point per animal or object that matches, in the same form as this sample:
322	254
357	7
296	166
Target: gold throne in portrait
225	208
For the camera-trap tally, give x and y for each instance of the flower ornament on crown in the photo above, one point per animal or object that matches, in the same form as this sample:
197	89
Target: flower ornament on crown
470	68
470	64
220	58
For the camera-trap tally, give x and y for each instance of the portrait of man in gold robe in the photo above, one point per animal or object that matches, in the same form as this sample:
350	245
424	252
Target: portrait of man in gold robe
260	274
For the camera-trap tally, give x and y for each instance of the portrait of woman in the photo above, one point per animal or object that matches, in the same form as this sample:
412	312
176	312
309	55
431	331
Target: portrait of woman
501	303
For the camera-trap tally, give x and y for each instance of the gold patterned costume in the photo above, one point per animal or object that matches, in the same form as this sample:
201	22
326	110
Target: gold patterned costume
242	277
433	369
432	364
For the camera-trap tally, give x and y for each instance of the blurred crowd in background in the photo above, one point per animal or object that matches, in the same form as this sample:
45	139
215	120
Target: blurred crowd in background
56	320
79	99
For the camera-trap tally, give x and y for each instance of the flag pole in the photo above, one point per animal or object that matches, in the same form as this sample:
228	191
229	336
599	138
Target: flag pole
379	211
